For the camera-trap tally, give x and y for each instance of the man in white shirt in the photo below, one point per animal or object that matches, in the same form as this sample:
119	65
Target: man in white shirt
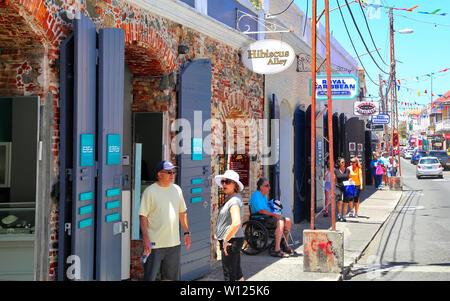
161	211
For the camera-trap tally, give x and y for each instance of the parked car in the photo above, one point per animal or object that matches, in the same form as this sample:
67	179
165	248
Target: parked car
408	154
417	154
442	156
429	166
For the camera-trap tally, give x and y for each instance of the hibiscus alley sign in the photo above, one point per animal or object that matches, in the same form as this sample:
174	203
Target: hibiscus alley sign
268	56
342	87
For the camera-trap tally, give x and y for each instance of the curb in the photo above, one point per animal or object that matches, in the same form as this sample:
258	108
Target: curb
348	268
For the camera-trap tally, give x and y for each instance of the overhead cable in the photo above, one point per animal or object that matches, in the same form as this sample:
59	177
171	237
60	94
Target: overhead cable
362	39
354	48
370	33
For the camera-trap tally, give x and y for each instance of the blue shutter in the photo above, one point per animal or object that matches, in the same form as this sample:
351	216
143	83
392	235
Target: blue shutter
84	128
299	164
91	208
65	151
275	168
195	167
110	178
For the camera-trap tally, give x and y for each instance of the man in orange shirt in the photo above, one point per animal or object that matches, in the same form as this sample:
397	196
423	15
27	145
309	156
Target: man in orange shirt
356	176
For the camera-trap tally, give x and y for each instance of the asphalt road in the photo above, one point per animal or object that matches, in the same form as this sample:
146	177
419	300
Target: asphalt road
414	243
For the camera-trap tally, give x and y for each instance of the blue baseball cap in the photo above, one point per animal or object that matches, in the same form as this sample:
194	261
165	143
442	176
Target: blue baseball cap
164	165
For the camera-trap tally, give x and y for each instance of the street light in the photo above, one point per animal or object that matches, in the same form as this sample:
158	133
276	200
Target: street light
405	31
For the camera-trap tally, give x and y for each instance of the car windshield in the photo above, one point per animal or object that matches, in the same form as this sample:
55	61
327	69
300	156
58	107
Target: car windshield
428	161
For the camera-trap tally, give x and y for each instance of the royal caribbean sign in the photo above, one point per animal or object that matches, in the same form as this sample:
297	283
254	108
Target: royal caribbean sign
366	108
342	87
268	56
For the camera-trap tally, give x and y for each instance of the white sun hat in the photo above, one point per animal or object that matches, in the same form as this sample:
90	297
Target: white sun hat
229	174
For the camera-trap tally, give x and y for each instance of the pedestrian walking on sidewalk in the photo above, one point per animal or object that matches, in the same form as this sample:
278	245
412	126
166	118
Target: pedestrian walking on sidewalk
377	170
391	169
356	175
342	174
161	212
229	225
327	179
385	160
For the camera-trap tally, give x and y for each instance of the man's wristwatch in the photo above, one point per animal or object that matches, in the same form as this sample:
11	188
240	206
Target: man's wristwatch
225	242
187	233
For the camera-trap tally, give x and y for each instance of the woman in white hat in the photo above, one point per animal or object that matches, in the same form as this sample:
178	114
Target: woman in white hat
228	225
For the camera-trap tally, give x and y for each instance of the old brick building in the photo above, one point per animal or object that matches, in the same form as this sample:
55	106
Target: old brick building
160	42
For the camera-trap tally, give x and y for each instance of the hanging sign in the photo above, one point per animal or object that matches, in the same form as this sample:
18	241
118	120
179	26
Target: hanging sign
366	108
268	56
342	87
381	119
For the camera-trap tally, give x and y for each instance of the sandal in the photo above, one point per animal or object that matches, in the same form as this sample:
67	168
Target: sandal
290	251
279	253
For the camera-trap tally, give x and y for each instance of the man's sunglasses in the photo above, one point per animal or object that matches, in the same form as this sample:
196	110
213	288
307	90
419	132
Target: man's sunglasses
169	172
226	181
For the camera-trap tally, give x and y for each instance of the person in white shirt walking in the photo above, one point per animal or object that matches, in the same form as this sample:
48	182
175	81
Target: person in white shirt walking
161	211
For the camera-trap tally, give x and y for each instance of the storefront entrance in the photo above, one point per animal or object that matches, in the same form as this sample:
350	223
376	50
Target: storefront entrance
19	155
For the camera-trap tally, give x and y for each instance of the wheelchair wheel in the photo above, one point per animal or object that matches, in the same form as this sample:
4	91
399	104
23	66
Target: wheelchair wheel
256	236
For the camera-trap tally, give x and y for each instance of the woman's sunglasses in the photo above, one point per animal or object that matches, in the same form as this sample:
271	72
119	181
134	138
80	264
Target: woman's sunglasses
226	181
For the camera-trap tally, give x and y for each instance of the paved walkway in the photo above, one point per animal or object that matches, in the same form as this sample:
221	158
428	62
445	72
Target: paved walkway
375	208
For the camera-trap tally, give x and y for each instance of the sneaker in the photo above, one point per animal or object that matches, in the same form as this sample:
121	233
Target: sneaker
356	215
350	214
344	219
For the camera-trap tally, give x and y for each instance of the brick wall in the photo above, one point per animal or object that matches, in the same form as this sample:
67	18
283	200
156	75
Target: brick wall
152	56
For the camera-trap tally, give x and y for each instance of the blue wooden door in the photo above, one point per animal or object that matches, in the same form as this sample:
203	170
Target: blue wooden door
90	154
109	227
194	174
275	132
84	131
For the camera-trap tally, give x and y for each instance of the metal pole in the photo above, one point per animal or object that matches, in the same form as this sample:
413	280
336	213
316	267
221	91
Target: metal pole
313	110
383	104
330	118
393	85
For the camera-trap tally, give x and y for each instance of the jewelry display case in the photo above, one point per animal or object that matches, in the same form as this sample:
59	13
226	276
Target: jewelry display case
17	218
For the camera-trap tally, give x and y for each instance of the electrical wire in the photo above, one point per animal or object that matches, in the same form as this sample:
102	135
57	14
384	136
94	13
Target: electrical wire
370	33
362	39
273	15
433	23
306	17
353	45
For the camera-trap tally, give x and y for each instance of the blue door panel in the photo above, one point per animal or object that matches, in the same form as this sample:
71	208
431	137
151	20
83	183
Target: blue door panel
275	168
195	169
84	126
110	120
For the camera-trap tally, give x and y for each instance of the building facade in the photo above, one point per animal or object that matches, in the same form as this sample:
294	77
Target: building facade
165	44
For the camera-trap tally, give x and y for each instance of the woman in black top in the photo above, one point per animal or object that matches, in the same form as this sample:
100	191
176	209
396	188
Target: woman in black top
342	174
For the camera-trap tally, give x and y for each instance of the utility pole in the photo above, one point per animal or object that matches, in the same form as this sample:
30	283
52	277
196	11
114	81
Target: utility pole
394	108
314	118
384	108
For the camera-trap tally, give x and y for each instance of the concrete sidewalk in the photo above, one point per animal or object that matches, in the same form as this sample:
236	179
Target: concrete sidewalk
376	206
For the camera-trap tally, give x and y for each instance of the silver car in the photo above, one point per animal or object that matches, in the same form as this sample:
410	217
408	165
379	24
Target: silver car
408	154
429	166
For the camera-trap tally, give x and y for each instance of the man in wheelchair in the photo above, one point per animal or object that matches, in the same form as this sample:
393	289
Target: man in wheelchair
271	218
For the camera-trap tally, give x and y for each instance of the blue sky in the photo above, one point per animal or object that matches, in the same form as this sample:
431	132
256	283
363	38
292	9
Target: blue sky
425	51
